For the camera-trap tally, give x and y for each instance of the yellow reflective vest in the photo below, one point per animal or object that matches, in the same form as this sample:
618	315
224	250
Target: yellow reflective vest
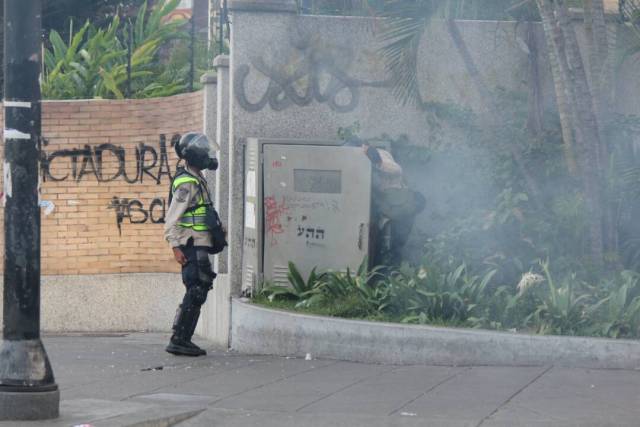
195	217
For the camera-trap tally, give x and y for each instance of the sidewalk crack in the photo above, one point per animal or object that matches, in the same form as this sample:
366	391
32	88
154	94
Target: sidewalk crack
429	390
510	398
269	383
326	396
213	374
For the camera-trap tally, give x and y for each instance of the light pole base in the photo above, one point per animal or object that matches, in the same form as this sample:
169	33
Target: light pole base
27	388
22	406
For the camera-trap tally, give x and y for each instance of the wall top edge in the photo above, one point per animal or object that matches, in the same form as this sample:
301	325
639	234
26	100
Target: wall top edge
266	6
221	61
209	77
119	101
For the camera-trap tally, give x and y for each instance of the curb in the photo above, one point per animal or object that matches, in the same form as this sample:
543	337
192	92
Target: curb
260	330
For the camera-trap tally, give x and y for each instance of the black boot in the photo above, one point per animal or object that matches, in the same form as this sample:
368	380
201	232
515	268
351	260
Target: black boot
180	347
180	343
201	351
192	329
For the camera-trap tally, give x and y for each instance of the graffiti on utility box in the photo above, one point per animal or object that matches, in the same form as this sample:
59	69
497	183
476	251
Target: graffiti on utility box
311	233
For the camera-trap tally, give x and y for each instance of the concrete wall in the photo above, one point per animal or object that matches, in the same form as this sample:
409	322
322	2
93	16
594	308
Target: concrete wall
109	302
215	318
257	330
340	77
296	76
289	76
107	210
103	222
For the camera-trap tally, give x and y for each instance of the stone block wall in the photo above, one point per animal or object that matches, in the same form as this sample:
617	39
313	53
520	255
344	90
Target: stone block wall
106	167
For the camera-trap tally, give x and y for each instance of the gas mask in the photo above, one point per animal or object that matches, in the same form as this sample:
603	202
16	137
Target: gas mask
210	163
195	149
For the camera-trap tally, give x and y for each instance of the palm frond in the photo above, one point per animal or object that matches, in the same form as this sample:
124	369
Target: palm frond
400	37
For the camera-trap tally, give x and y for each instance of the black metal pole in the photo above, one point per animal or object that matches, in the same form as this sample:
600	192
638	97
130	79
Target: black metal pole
27	386
129	50
221	32
192	46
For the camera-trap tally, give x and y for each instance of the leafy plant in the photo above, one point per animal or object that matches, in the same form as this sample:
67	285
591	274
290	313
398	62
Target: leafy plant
426	295
373	292
451	297
303	291
618	313
95	63
560	310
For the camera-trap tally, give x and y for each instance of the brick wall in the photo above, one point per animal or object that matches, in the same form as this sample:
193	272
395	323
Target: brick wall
106	168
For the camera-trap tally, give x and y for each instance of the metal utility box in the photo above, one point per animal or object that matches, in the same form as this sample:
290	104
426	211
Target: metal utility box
308	202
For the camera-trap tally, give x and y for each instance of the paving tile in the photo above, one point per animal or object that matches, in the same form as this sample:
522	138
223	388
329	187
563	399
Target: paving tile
385	393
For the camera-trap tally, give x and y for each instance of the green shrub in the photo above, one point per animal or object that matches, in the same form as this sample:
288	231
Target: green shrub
453	297
304	292
94	63
616	314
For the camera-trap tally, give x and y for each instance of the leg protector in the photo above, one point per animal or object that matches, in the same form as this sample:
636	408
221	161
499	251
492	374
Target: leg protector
197	276
189	311
184	325
205	270
198	270
180	340
194	321
186	316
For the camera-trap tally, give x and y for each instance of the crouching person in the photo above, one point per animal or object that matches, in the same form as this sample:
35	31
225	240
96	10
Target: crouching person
192	228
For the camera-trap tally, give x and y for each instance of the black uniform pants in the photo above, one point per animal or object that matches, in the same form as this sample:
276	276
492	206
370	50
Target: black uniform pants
197	273
197	276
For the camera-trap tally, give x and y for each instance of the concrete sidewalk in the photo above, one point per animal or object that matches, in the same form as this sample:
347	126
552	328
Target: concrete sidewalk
128	380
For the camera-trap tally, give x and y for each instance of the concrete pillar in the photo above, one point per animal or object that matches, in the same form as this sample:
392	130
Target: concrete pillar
236	213
237	136
221	64
215	317
209	83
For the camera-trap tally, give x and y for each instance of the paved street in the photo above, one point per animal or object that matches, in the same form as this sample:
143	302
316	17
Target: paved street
127	379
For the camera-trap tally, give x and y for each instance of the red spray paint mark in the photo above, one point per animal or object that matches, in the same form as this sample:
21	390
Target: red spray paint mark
273	214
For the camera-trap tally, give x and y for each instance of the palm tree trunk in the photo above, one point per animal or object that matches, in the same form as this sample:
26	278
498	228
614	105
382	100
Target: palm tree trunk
589	129
602	61
534	121
573	80
597	46
600	31
561	94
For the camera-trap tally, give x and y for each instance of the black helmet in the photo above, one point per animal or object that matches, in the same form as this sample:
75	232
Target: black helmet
194	147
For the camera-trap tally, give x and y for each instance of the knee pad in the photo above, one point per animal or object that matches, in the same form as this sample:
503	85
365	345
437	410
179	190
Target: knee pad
205	270
190	275
205	274
197	295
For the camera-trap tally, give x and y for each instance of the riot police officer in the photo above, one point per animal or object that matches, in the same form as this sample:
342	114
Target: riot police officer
188	231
